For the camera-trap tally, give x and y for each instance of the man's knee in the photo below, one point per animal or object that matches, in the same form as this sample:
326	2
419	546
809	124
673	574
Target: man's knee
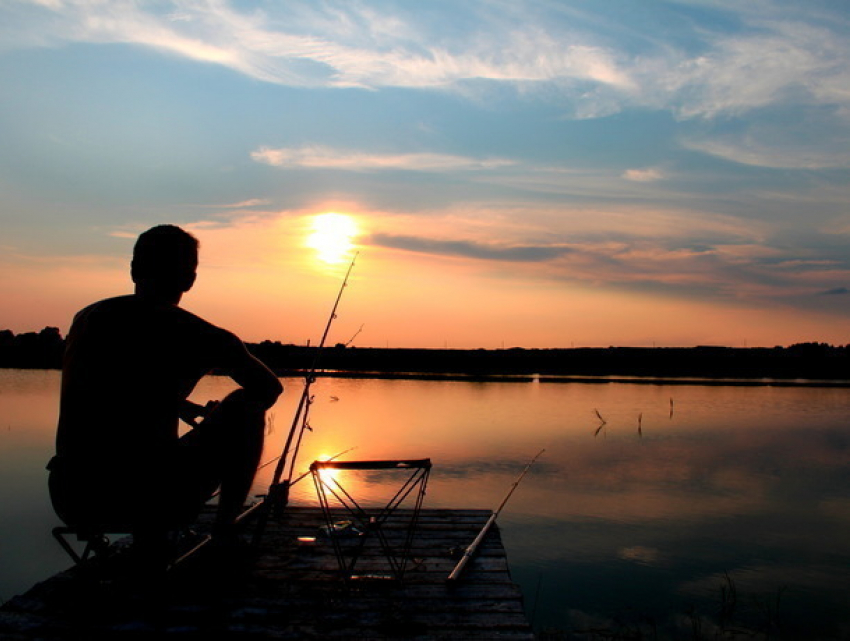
239	416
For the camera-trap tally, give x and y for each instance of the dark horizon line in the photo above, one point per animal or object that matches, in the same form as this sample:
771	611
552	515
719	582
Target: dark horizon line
54	332
805	361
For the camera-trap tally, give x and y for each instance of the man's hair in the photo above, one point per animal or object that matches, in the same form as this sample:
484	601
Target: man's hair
166	256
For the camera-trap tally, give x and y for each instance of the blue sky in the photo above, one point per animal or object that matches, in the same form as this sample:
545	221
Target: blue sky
542	173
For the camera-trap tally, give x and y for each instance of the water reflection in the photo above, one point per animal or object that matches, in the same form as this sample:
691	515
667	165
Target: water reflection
684	489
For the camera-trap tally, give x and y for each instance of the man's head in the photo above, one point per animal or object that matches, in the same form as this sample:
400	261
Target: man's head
165	260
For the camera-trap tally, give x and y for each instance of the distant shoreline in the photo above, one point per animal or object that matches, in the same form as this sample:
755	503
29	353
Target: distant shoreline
565	379
803	364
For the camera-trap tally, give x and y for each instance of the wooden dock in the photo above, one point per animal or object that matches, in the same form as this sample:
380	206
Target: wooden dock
290	589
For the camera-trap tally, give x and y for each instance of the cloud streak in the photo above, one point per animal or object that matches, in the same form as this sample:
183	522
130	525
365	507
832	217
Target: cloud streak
468	249
643	175
770	147
322	157
633	250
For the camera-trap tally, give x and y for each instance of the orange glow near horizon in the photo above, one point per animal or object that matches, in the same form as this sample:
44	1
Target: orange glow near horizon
272	277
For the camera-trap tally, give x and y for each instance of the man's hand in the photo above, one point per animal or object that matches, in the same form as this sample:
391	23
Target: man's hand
190	412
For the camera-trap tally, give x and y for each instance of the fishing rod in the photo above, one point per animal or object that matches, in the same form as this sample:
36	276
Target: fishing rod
278	494
473	547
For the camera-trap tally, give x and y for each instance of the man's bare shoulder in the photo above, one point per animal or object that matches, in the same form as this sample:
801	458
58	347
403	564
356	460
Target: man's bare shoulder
131	310
199	324
106	305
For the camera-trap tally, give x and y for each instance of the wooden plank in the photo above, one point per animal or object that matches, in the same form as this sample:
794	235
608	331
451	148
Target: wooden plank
293	592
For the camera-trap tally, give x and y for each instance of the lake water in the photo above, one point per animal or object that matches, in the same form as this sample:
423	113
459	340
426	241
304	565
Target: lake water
690	511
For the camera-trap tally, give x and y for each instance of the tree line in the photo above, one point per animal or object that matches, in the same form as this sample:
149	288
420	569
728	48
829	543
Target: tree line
811	360
37	350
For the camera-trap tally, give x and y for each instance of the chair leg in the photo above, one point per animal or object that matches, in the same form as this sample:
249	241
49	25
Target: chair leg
59	534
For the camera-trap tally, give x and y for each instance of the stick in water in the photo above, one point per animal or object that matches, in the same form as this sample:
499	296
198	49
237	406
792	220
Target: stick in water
473	547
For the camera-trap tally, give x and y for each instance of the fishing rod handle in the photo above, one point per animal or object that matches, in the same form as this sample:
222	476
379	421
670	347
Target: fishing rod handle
471	550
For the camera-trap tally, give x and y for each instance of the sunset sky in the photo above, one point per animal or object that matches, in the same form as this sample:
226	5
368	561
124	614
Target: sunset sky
512	173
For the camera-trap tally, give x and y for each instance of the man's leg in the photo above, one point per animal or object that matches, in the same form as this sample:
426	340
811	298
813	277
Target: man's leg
230	443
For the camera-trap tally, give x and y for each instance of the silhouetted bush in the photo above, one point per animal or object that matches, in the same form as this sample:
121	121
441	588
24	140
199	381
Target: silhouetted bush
42	350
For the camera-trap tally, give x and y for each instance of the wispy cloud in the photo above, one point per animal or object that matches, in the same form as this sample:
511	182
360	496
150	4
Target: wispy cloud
772	146
321	157
643	175
771	57
245	204
349	45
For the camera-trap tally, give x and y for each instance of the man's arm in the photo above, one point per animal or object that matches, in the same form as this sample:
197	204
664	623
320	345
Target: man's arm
259	382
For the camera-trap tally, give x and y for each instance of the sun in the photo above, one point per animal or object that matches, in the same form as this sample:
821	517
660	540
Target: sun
331	236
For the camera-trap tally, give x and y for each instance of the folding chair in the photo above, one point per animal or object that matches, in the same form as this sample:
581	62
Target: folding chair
395	540
98	544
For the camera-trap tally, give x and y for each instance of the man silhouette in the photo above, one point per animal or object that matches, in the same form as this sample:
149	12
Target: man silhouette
130	363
